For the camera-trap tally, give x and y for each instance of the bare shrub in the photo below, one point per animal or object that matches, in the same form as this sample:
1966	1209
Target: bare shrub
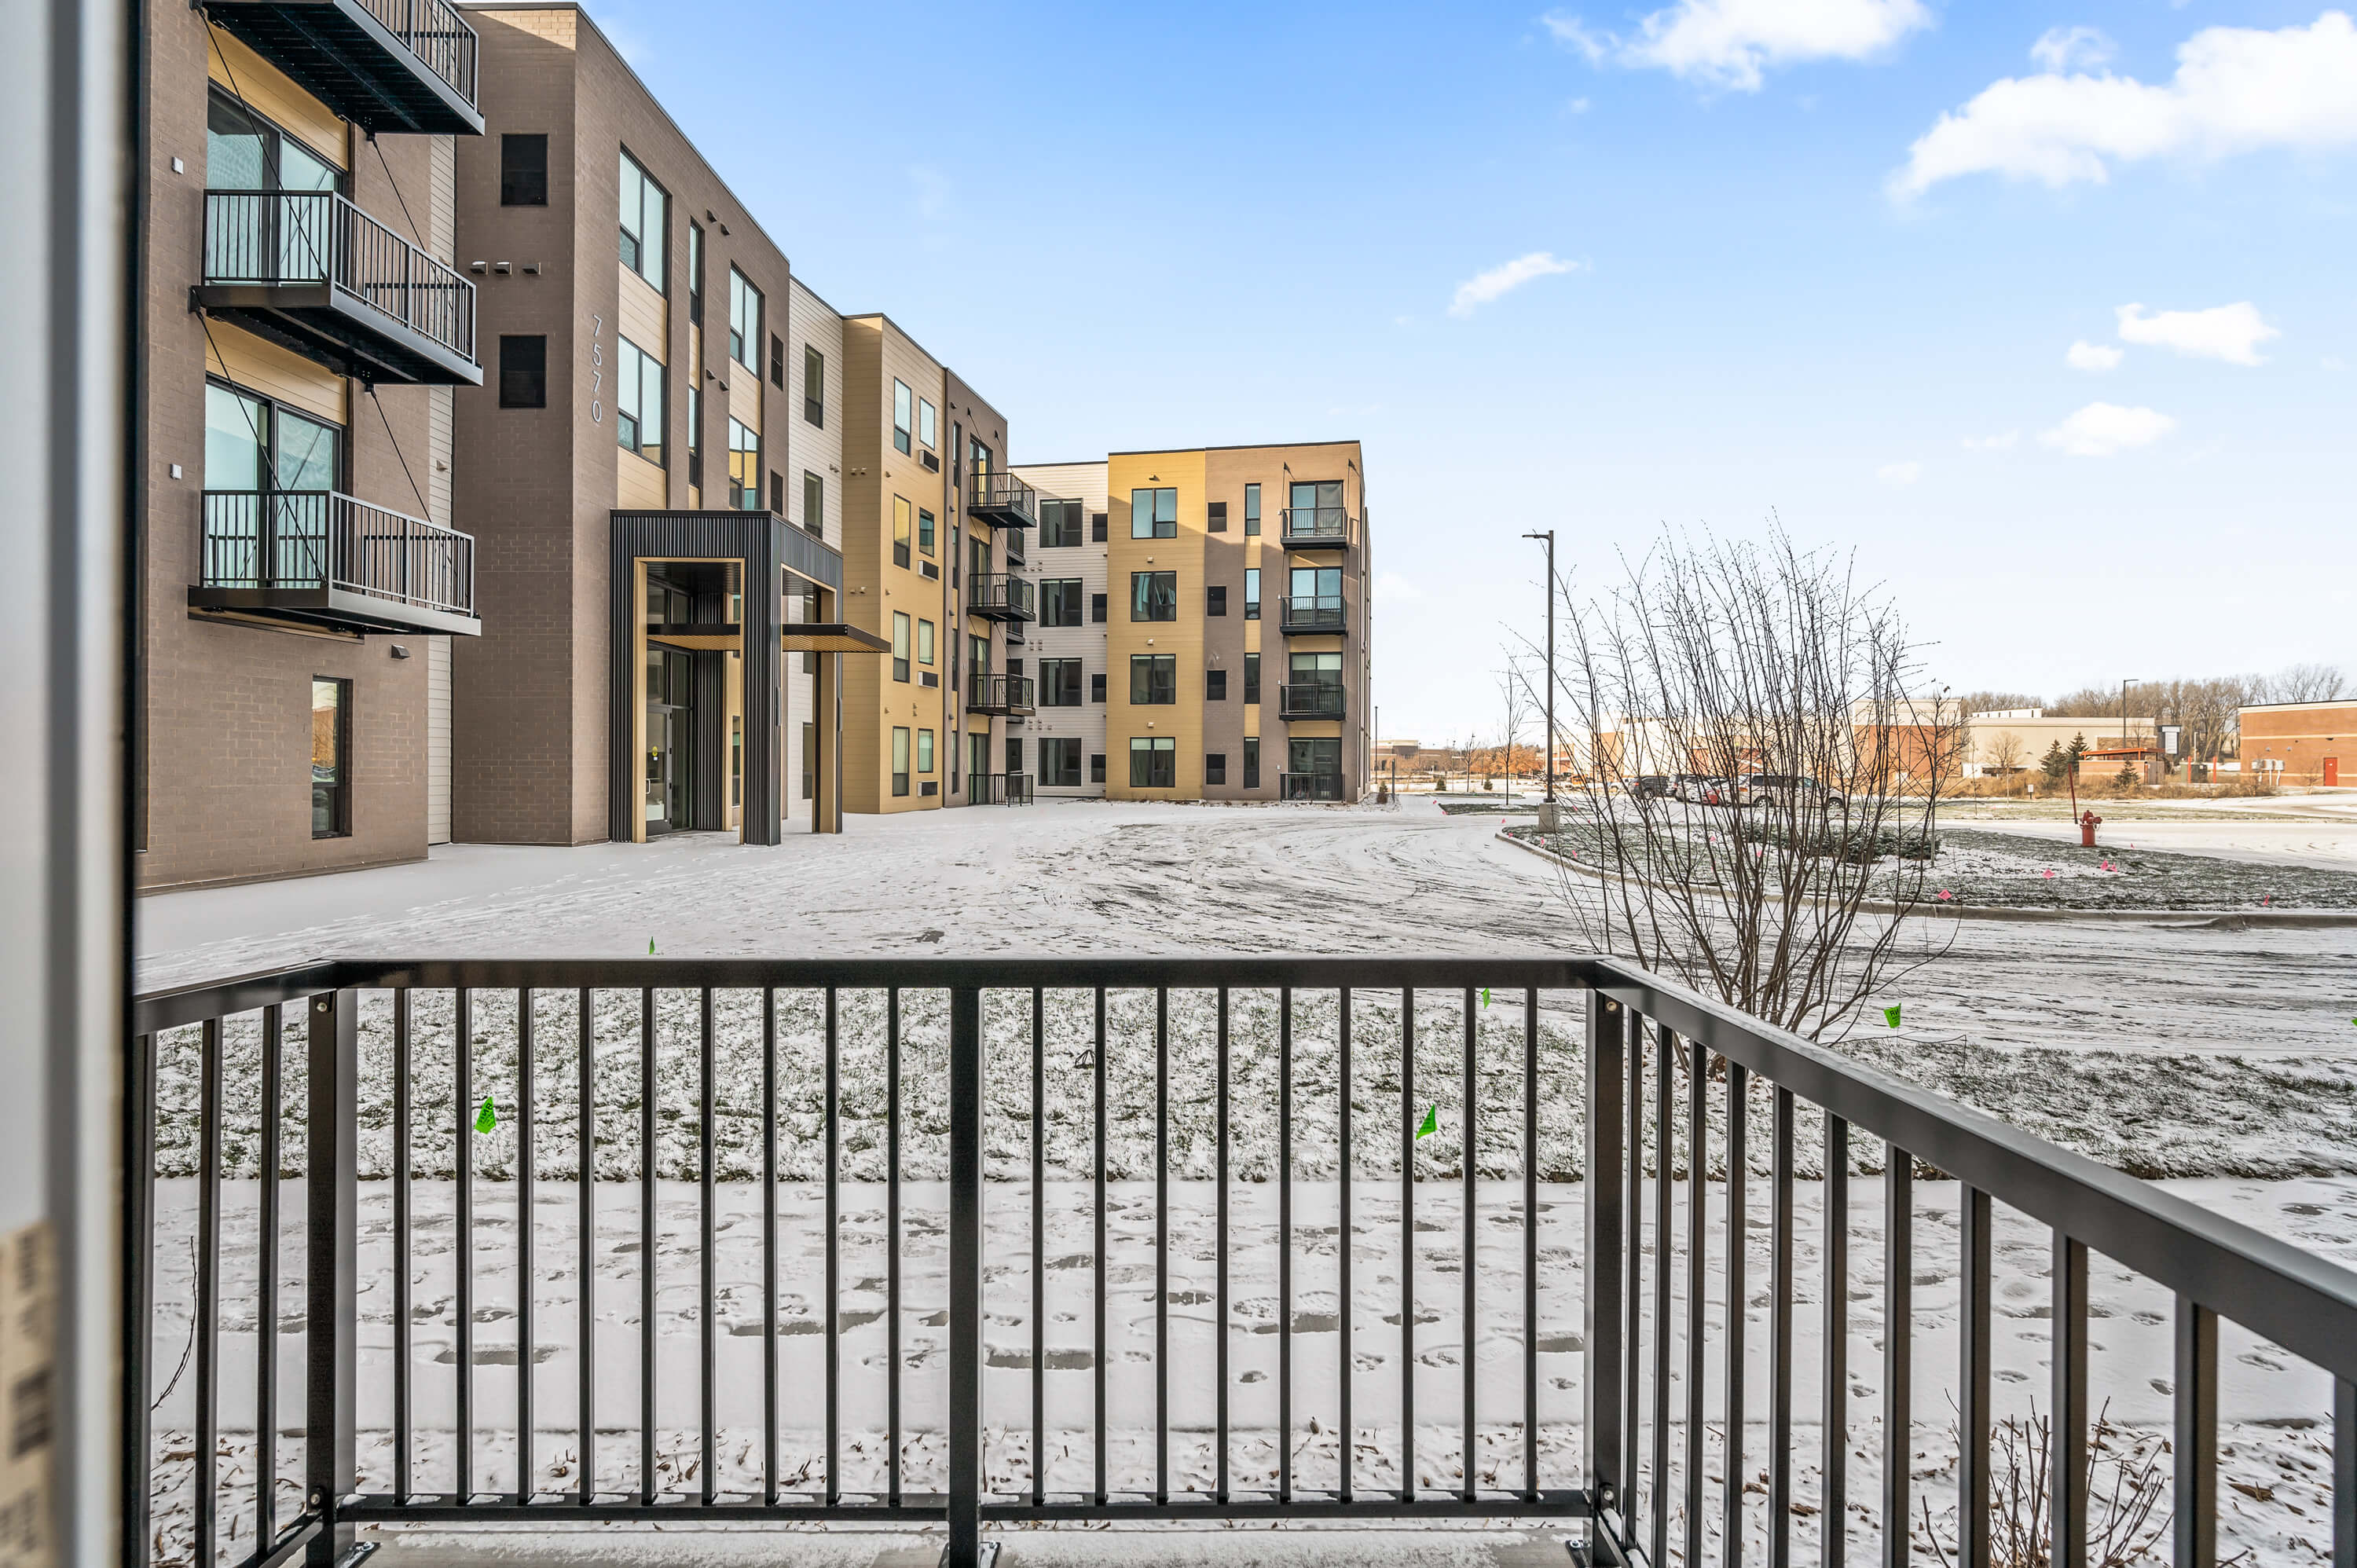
2127	1491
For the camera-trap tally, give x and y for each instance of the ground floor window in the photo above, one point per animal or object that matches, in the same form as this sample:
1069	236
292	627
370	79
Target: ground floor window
1153	763
900	761
1015	754
1060	762
1322	757
810	762
924	751
1096	767
1251	764
1215	768
331	757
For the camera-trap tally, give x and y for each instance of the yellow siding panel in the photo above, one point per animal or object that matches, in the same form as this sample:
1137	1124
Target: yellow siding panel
639	485
643	314
274	95
259	365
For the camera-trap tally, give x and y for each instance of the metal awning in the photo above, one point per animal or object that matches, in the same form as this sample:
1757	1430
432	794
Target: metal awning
832	636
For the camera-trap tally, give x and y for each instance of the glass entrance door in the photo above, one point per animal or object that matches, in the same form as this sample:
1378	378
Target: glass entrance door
667	741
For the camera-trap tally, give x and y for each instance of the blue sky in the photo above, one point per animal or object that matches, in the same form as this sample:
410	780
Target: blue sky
1744	289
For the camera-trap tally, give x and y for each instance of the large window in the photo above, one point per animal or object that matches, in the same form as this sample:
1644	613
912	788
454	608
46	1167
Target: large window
1060	761
639	401
252	444
523	370
245	152
1154	514
744	467
1321	586
744	322
1059	524
902	517
331	759
1252	677
644	210
1059	601
1154	762
1318	670
899	645
814	502
1251	762
524	168
902	399
1319	756
900	762
813	386
1153	596
1154	678
1060	682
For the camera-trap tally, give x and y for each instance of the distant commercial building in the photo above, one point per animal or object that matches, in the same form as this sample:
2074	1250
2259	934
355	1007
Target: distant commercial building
2301	743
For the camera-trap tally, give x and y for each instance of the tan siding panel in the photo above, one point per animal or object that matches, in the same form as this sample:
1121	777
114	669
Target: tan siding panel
249	361
271	93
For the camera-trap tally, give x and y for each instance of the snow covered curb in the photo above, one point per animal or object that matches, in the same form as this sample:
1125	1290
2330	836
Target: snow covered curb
2222	919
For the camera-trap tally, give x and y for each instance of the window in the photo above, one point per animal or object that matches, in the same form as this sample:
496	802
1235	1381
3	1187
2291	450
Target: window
1097	687
523	371
1153	763
1215	768
1060	682
813	503
925	424
810	762
1251	593
331	759
1154	678
253	444
1096	767
524	168
744	467
901	761
901	396
1316	587
695	273
977	457
639	401
1252	677
1015	754
777	492
901	515
924	751
1215	685
1154	514
695	437
1059	601
1215	600
744	321
644	210
1251	511
1215	517
1323	757
1059	524
813	386
1251	762
1153	596
1096	527
1060	762
924	647
899	645
924	530
1096	609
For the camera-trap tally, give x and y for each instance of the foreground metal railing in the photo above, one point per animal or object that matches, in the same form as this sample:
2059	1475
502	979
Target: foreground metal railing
325	539
801	1225
319	238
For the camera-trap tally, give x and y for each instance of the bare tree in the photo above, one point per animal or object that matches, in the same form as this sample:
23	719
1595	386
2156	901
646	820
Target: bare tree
2304	683
1515	696
1766	661
2007	753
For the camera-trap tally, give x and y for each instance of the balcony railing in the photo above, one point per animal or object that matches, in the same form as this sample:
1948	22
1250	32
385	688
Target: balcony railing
1634	1138
311	270
1315	700
1001	596
1000	789
1009	694
386	65
326	557
998	497
1314	615
1309	786
1316	528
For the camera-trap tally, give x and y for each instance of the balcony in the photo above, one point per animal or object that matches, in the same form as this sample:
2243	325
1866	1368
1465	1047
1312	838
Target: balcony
1001	596
999	789
1314	528
389	66
311	272
1315	700
1320	615
1309	786
1009	695
1002	501
327	559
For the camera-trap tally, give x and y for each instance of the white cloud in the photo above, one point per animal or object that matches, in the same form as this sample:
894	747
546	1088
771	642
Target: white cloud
2062	48
1730	43
2236	90
2085	356
1397	589
2228	332
2002	442
1578	107
1504	279
1900	473
2105	430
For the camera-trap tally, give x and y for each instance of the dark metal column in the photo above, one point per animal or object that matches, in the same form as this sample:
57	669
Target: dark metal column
1608	1033
965	1280
329	1286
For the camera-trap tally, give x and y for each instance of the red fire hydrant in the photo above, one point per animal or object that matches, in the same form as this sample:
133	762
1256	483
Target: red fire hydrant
2087	825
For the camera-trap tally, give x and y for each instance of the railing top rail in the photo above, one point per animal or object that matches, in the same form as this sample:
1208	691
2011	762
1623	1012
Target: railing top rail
351	502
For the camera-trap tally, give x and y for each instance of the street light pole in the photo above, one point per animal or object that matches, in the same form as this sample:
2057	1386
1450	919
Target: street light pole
1549	537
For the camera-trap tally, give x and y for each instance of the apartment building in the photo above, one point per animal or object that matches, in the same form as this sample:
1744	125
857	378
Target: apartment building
301	332
1067	737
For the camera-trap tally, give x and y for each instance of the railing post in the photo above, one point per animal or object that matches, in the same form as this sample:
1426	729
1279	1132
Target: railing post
1607	1043
330	1288
965	1280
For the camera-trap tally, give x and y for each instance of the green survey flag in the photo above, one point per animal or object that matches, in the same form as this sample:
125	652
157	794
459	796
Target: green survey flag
1891	1016
1431	1120
1485	996
486	1117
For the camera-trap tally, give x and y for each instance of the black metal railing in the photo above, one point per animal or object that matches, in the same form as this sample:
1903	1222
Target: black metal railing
1313	613
1309	785
1000	499
999	694
320	239
434	32
1310	700
326	539
1001	788
1001	596
808	1240
1316	525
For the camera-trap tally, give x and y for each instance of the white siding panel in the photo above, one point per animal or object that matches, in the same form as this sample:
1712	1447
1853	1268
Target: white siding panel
437	740
817	449
1083	482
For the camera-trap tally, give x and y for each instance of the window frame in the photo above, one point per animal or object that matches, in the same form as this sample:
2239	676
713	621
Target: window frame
900	761
629	358
339	825
539	371
1252	677
813	386
1251	593
903	411
813	503
925	758
900	646
924	651
1160	683
904	516
928	424
1251	762
1252	511
744	461
1215	599
1052	680
746	306
1215	685
1215	769
1156	525
1154	749
1155	594
660	244
1065	594
515	190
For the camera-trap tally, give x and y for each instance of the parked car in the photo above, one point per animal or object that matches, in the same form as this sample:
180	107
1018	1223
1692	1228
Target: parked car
1648	787
1759	788
1704	790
